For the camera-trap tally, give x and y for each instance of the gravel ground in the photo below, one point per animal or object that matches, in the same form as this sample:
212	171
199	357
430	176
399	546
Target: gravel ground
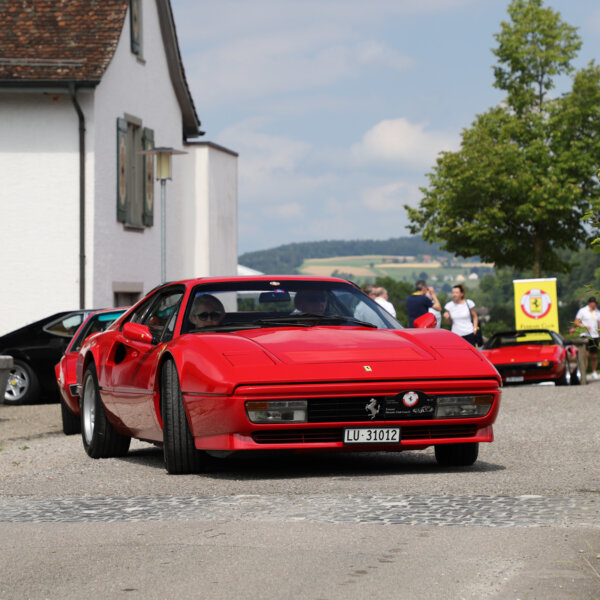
547	443
524	522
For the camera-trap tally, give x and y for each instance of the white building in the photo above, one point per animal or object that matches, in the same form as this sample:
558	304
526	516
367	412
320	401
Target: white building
92	86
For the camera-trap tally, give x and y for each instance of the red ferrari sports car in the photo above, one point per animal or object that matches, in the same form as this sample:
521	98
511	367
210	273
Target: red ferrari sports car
533	355
294	363
66	369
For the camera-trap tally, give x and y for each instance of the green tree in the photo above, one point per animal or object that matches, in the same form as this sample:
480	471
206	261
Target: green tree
517	190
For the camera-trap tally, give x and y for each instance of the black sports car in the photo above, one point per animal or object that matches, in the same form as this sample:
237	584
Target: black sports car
35	349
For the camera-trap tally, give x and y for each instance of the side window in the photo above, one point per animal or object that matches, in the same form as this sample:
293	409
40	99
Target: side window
138	314
162	311
65	326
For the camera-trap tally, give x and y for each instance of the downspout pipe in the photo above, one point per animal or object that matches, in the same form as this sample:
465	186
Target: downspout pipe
81	117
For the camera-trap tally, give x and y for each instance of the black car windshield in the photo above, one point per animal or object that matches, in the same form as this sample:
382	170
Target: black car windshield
521	338
96	323
253	304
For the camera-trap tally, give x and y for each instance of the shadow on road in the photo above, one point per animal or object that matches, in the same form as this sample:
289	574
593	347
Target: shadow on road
265	465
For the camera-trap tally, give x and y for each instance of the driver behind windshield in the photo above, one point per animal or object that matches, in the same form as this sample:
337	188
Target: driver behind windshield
311	301
207	311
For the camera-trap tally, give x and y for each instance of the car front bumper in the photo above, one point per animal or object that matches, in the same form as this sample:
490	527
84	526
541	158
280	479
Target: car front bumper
219	422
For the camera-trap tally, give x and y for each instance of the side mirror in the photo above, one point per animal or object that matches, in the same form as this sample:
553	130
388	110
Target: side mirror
137	332
426	321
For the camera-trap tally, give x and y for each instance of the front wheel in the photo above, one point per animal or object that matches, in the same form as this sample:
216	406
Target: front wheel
456	455
179	450
100	438
23	385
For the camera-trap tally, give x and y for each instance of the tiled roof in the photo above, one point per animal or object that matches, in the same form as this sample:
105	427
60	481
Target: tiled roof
58	39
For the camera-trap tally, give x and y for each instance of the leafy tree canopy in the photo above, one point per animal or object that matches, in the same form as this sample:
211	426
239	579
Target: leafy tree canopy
518	189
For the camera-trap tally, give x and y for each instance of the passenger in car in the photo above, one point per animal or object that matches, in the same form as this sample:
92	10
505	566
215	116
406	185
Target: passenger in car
207	311
311	301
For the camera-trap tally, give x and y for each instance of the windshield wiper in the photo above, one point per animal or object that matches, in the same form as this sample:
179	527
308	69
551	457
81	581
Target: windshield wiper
311	319
225	327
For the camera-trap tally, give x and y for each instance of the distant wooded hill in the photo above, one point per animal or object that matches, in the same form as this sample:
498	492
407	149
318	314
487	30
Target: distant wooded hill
287	258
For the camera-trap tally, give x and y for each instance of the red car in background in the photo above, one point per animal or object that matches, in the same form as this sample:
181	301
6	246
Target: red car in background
66	369
219	365
533	356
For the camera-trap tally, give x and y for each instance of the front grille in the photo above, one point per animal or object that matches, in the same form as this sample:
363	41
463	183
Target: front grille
522	368
351	409
298	436
428	432
315	436
334	410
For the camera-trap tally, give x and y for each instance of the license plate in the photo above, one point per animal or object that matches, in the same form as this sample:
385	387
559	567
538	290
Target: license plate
515	379
372	435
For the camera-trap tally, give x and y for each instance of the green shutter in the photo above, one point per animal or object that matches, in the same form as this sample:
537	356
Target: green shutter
122	152
148	144
136	26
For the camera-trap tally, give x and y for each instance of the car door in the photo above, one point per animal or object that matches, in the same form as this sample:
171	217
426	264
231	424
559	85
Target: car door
132	374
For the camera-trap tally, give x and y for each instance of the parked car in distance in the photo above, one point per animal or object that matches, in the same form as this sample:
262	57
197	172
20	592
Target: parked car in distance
35	349
533	356
66	369
217	365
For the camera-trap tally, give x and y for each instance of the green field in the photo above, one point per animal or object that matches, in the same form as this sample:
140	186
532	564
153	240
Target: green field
362	269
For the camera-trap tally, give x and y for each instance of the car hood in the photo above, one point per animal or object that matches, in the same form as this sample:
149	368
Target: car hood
521	354
327	354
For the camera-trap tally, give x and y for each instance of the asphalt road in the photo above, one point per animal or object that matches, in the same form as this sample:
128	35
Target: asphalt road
524	522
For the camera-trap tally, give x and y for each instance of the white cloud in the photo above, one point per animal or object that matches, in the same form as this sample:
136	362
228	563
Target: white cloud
291	210
272	168
282	62
391	197
215	21
400	141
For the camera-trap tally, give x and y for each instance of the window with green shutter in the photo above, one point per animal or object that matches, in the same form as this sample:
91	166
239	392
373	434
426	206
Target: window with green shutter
135	12
135	174
148	204
122	170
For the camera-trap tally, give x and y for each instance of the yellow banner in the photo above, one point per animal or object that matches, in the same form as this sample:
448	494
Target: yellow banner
536	304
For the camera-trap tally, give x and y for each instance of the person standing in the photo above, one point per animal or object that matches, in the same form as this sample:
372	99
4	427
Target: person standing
382	298
436	313
588	317
418	303
461	313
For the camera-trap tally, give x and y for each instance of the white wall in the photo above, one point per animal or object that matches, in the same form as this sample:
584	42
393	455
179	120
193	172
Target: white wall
141	89
208	226
39	206
39	191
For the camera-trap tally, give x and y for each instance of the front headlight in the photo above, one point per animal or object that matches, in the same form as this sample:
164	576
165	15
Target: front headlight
276	411
448	407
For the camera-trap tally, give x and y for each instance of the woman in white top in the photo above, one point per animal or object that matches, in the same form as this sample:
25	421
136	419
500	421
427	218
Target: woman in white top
462	314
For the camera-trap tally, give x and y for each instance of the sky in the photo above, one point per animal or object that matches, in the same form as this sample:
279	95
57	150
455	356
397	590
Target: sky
338	108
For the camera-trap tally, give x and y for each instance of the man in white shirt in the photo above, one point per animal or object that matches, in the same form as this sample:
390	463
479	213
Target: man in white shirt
588	317
382	298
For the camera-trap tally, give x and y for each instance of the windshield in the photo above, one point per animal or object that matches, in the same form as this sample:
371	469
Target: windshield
521	338
231	306
96	323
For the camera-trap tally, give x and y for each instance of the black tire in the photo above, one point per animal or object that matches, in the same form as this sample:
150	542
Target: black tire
100	439
23	384
565	378
71	423
576	375
179	451
456	455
